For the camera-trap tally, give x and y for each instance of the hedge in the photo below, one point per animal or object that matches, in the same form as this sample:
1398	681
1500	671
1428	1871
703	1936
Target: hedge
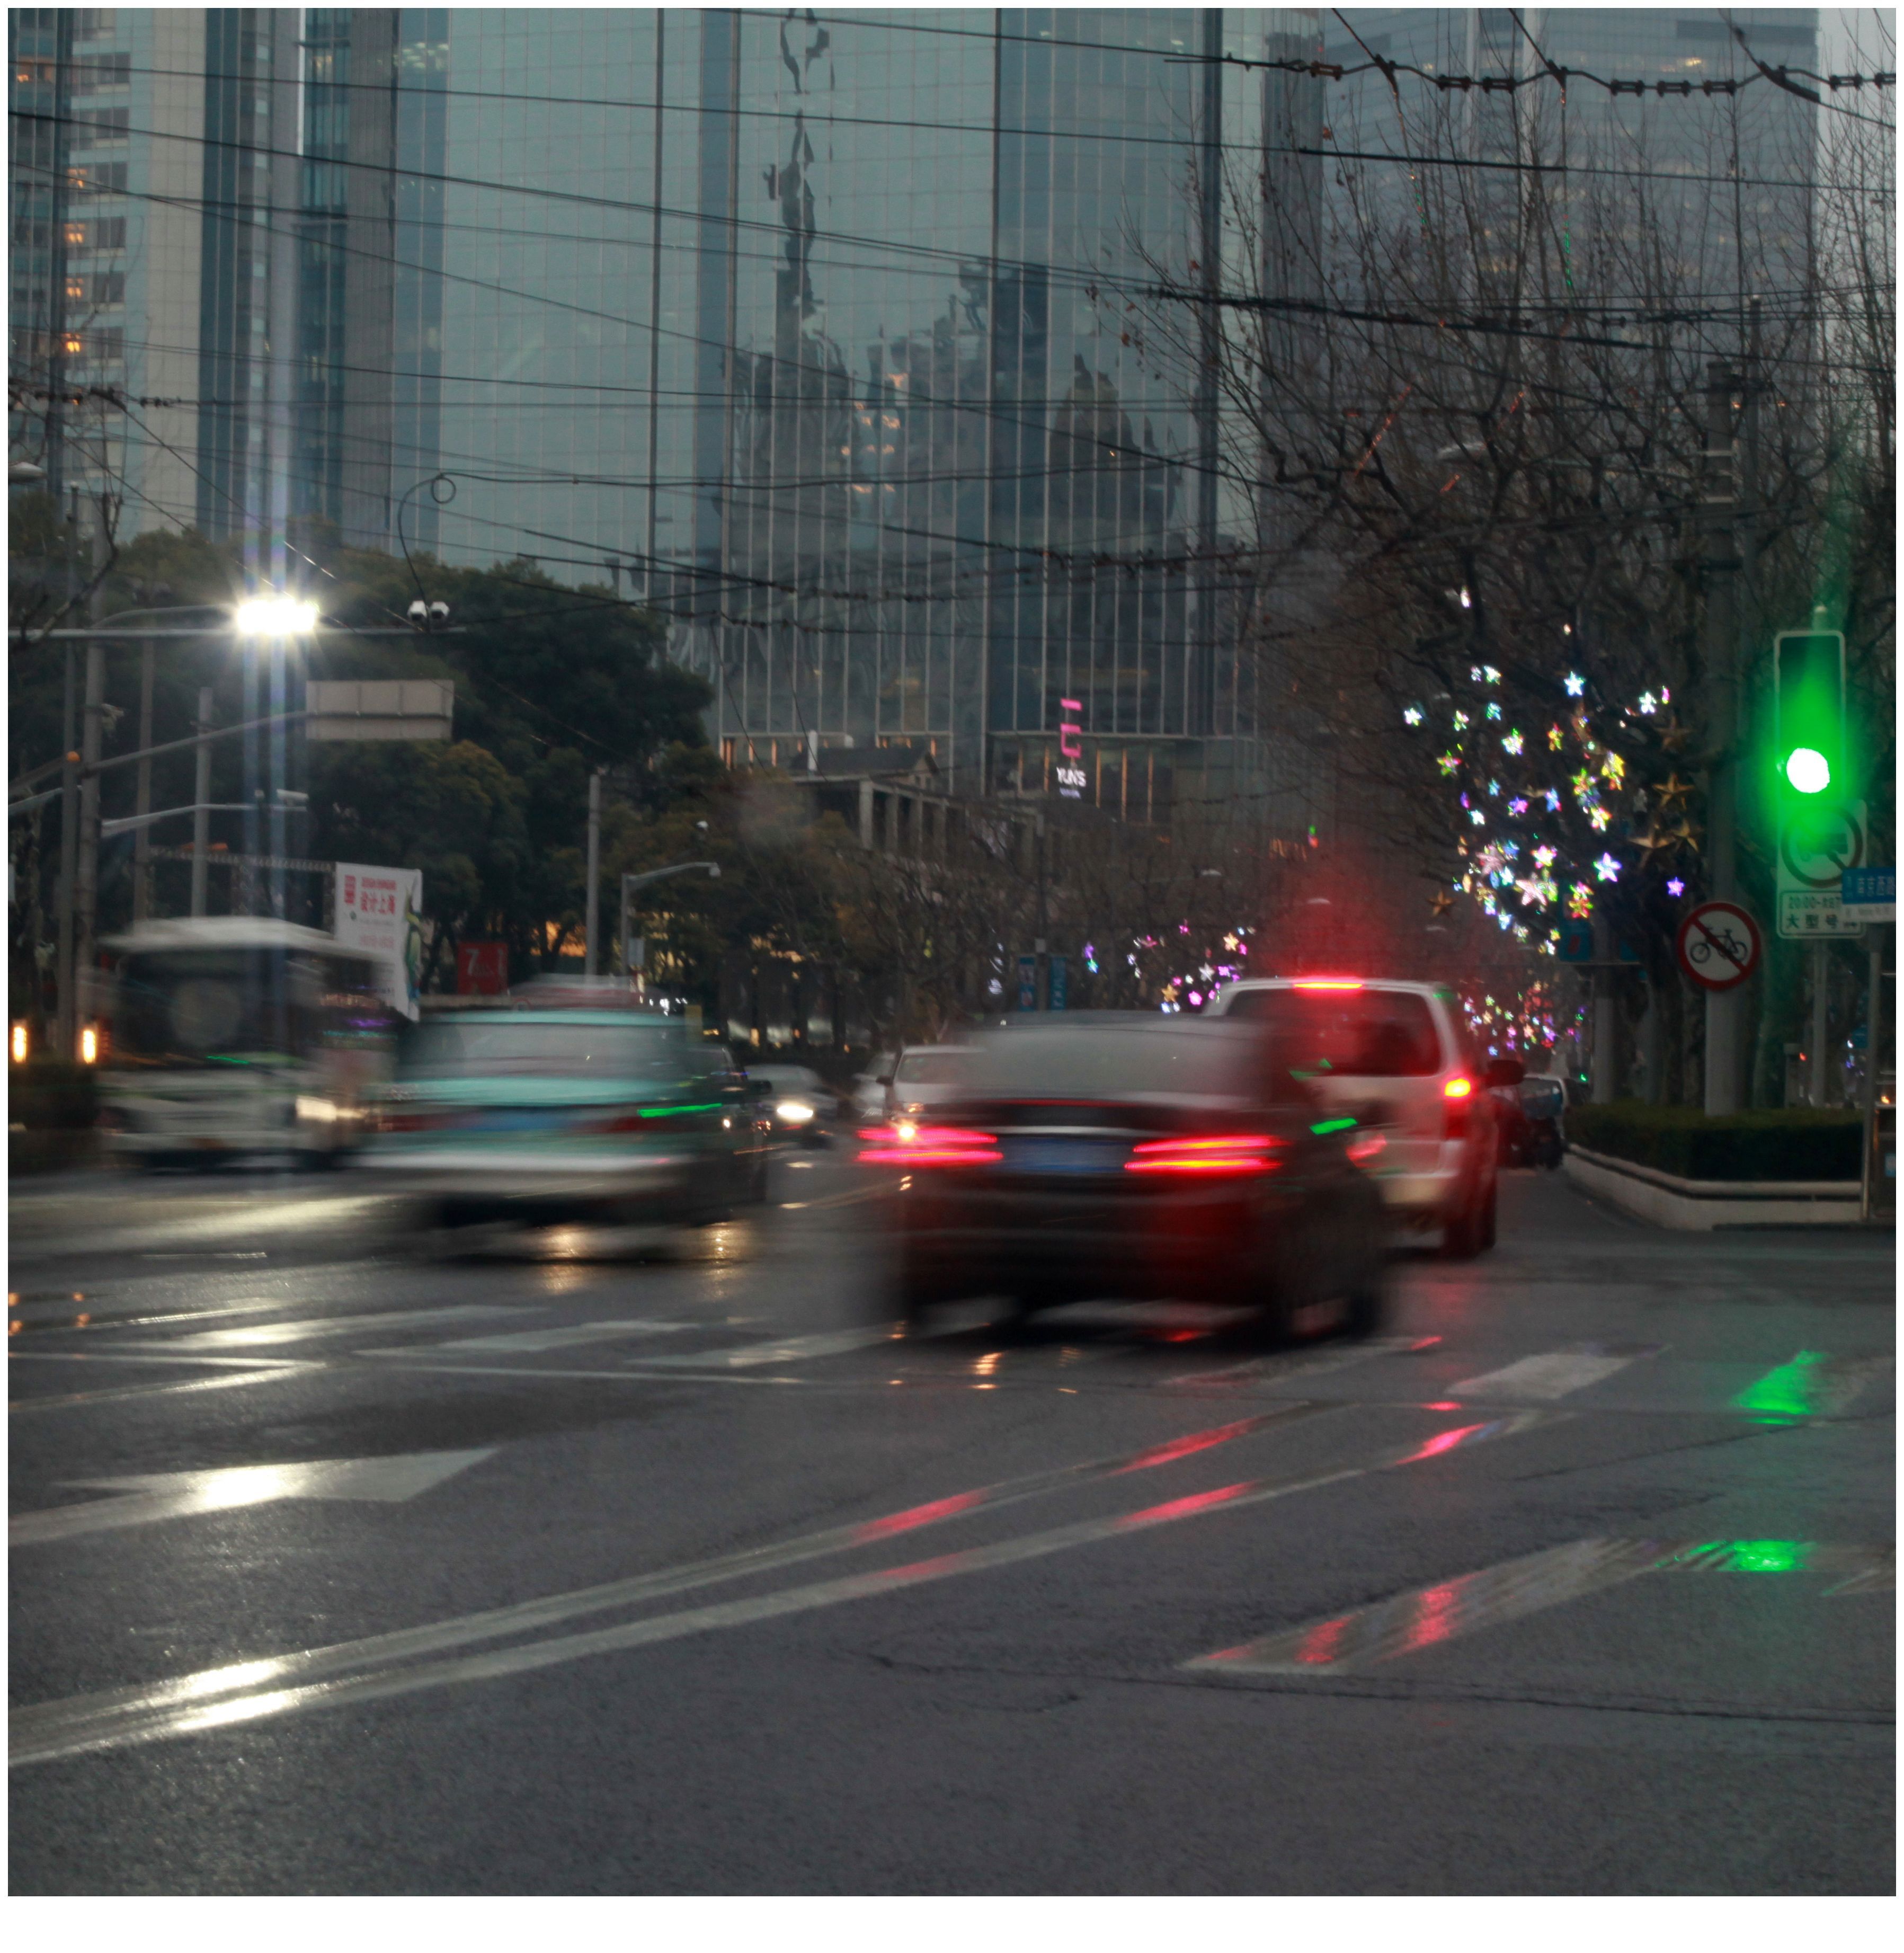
1798	1144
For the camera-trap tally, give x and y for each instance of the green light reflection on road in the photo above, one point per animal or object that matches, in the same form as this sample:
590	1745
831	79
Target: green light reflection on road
1790	1391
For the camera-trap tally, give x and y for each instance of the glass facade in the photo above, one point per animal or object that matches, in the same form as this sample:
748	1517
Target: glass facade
811	331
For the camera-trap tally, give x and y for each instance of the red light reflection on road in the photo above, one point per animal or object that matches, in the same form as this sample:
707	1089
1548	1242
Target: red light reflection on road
918	1515
1435	1610
1185	1447
1323	1643
1446	1441
1180	1509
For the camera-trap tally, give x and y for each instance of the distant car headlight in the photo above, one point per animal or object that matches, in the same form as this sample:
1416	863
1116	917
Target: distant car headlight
794	1112
320	1110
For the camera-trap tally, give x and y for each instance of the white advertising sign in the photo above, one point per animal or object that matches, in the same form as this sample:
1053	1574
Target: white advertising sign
379	911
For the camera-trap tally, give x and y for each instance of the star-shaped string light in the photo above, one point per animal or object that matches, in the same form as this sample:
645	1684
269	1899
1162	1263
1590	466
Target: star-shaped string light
1442	902
1671	790
1576	684
1672	735
1676	888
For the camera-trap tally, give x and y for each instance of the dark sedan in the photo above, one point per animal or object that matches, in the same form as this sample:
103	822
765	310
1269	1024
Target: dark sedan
1140	1159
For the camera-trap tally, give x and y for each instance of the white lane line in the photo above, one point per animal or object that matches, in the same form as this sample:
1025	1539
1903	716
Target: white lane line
64	1729
79	1399
144	1354
1425	1617
782	1349
105	1709
259	1335
1542	1379
530	1342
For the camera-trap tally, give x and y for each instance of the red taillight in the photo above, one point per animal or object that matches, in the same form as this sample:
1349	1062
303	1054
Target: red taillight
1221	1153
906	1144
1366	1146
1459	1095
1329	983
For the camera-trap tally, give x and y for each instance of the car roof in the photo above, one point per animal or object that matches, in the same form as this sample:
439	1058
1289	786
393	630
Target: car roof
1314	983
555	1017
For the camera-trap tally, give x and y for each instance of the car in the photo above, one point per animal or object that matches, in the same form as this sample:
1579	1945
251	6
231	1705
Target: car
923	1076
551	1116
1155	1157
1395	1056
868	1090
799	1104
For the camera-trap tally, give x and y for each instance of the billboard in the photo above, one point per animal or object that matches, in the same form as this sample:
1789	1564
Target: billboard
379	911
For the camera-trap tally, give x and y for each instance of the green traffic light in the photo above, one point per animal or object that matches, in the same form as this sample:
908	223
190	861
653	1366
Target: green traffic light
1807	769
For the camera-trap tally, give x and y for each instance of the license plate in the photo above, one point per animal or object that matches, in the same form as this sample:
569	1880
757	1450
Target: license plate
1064	1156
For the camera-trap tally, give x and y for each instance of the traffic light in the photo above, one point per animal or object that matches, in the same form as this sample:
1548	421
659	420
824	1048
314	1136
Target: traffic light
1808	729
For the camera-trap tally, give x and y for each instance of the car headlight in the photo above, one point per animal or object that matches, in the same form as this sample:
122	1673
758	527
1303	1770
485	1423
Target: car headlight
320	1110
795	1112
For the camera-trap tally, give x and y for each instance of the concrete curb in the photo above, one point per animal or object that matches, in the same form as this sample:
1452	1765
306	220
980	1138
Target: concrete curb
1701	1205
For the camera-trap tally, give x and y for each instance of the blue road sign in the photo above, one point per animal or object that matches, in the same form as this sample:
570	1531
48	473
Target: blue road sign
1576	942
1869	894
1060	975
1028	983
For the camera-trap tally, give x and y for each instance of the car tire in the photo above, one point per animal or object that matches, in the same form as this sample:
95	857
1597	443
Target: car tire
1471	1231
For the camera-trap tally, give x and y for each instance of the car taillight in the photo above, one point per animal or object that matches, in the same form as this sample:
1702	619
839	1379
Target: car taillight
1458	1094
1221	1153
905	1143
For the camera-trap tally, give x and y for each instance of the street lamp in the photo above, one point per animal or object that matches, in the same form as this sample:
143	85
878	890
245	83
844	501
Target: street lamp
275	616
630	882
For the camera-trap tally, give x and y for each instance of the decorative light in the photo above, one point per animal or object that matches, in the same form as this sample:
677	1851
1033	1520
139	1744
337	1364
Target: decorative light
1493	708
1511	742
1607	868
1494	787
1648	703
1490	674
1478	817
1676	888
1545	857
1411	715
1461	721
1467	602
1552	797
1579	904
1598	817
1516	806
1554	736
1576	684
1448	761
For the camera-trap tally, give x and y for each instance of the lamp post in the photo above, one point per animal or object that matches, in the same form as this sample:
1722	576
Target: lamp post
630	882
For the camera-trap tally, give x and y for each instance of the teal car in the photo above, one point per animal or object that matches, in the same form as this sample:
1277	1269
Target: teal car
552	1116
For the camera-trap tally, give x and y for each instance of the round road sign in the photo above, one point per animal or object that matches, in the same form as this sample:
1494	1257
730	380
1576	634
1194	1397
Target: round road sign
1719	945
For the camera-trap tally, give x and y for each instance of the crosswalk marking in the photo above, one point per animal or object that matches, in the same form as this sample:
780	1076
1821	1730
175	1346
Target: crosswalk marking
1557	1373
782	1349
262	1334
1427	1616
531	1342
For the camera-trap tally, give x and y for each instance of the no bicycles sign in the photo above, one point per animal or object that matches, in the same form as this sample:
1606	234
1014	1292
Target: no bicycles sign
1719	945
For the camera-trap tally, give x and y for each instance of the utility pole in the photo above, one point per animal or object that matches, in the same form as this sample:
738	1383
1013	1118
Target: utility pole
1874	1029
1719	503
1820	1021
66	1025
1605	1084
85	886
141	846
594	867
201	803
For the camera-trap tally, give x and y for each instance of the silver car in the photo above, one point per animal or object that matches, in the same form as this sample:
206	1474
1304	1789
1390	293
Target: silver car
925	1076
1394	1057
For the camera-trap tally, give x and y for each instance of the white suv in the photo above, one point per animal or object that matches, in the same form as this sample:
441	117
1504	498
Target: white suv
1395	1056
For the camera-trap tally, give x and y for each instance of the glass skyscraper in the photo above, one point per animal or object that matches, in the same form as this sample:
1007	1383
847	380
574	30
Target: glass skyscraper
811	330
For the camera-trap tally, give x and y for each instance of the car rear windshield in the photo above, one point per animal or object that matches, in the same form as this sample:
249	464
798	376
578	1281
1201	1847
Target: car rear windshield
1094	1062
1367	1033
543	1051
934	1068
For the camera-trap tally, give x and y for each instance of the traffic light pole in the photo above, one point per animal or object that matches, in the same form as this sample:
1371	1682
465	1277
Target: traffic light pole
1724	1009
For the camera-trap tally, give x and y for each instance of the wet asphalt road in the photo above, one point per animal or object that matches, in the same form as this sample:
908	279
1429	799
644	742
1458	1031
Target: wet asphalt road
650	1565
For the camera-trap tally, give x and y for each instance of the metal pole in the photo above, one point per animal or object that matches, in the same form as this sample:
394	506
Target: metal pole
200	807
141	846
1821	1019
66	1028
594	867
1723	1009
627	969
1874	1027
86	901
1606	1021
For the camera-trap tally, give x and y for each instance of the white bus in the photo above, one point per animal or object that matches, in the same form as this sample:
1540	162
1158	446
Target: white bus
231	1037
